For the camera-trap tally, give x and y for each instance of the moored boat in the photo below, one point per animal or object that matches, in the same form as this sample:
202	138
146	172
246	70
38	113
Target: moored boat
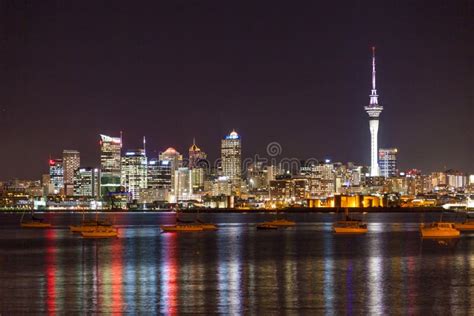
350	227
101	232
35	224
439	230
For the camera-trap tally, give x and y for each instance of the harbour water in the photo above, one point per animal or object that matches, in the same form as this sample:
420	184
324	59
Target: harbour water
237	269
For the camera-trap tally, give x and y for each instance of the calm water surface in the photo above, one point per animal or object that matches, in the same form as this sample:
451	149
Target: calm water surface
305	269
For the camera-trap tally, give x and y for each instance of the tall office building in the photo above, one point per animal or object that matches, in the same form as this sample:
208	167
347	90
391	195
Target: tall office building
56	174
110	149
182	185
163	180
231	156
174	161
196	155
374	110
71	162
134	172
198	167
173	156
388	162
86	182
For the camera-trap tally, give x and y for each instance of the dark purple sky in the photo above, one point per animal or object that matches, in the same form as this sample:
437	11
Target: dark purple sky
295	73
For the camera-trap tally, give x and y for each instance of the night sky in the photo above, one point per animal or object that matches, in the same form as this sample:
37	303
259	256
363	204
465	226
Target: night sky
293	72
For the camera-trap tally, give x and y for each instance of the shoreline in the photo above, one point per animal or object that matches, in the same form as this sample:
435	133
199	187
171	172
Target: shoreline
298	210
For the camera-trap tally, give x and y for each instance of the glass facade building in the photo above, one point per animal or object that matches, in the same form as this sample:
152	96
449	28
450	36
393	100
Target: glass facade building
110	149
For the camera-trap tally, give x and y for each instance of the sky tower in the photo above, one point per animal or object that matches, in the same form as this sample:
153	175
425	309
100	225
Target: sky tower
374	110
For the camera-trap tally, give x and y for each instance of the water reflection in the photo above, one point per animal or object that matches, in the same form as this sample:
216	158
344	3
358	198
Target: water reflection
236	270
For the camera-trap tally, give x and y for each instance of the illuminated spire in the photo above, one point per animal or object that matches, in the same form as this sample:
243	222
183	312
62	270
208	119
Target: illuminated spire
144	145
373	96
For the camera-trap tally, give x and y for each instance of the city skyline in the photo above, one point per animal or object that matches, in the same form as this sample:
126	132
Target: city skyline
303	85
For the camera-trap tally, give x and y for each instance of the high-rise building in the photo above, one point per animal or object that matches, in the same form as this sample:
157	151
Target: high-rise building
56	174
196	155
110	149
164	180
71	162
388	162
174	161
86	182
231	156
374	110
198	166
182	185
134	172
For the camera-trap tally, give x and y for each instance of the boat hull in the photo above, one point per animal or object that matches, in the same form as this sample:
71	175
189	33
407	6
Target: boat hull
439	230
465	226
208	226
349	230
35	225
435	233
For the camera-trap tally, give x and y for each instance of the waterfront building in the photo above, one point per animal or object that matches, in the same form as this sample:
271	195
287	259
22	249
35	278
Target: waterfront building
71	162
388	162
86	182
221	186
134	172
110	163
455	179
374	110
231	159
56	175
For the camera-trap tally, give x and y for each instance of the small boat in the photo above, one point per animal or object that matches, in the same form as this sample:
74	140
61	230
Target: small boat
281	223
88	226
181	228
35	222
349	225
101	232
439	230
266	226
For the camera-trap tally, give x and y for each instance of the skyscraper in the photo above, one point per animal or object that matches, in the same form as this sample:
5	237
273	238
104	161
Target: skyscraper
231	156
134	172
86	182
195	155
374	110
388	162
56	174
71	162
110	148
198	167
174	160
